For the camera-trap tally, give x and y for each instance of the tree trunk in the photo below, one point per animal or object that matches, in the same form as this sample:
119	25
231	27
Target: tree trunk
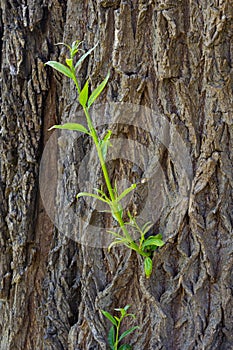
174	57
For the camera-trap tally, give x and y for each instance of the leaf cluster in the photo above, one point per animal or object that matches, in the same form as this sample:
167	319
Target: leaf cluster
114	338
70	69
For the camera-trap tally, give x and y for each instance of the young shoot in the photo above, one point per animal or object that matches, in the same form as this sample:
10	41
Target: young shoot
114	337
145	246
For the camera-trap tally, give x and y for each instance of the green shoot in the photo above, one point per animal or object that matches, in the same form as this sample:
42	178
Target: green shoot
114	337
144	246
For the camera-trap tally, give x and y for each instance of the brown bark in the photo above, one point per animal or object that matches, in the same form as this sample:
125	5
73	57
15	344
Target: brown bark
174	55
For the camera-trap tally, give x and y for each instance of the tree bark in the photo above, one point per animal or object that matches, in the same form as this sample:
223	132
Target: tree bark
174	57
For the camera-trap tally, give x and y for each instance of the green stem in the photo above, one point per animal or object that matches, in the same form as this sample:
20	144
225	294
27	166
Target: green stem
117	334
100	155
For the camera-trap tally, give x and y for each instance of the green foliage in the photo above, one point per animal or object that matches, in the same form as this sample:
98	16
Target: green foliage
60	68
148	265
97	91
71	126
144	246
83	96
105	143
111	337
114	338
82	58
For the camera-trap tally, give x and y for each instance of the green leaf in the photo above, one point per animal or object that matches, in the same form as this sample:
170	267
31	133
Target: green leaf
102	194
127	307
131	315
104	148
69	62
83	194
75	48
64	45
105	143
97	91
110	317
125	192
117	241
83	96
124	334
75	44
125	347
147	226
108	135
111	337
148	265
60	68
82	58
123	310
72	127
152	241
117	235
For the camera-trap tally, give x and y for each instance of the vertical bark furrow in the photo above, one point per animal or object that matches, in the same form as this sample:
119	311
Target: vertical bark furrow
24	86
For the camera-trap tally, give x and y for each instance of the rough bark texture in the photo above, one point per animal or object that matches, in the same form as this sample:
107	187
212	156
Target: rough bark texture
174	54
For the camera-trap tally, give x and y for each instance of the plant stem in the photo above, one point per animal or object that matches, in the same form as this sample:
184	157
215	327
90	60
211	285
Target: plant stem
117	334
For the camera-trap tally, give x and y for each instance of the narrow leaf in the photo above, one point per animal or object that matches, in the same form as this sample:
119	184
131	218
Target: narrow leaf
105	143
97	91
108	135
72	127
110	317
148	265
104	148
102	194
124	334
83	194
147	226
125	192
111	337
117	235
131	315
60	68
117	241
152	241
127	307
83	96
117	318
82	58
75	48
64	45
75	44
69	62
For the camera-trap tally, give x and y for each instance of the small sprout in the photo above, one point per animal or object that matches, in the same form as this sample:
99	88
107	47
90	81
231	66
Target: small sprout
114	338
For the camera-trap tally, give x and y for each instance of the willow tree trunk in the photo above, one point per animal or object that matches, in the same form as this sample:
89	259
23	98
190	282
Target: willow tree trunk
175	56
